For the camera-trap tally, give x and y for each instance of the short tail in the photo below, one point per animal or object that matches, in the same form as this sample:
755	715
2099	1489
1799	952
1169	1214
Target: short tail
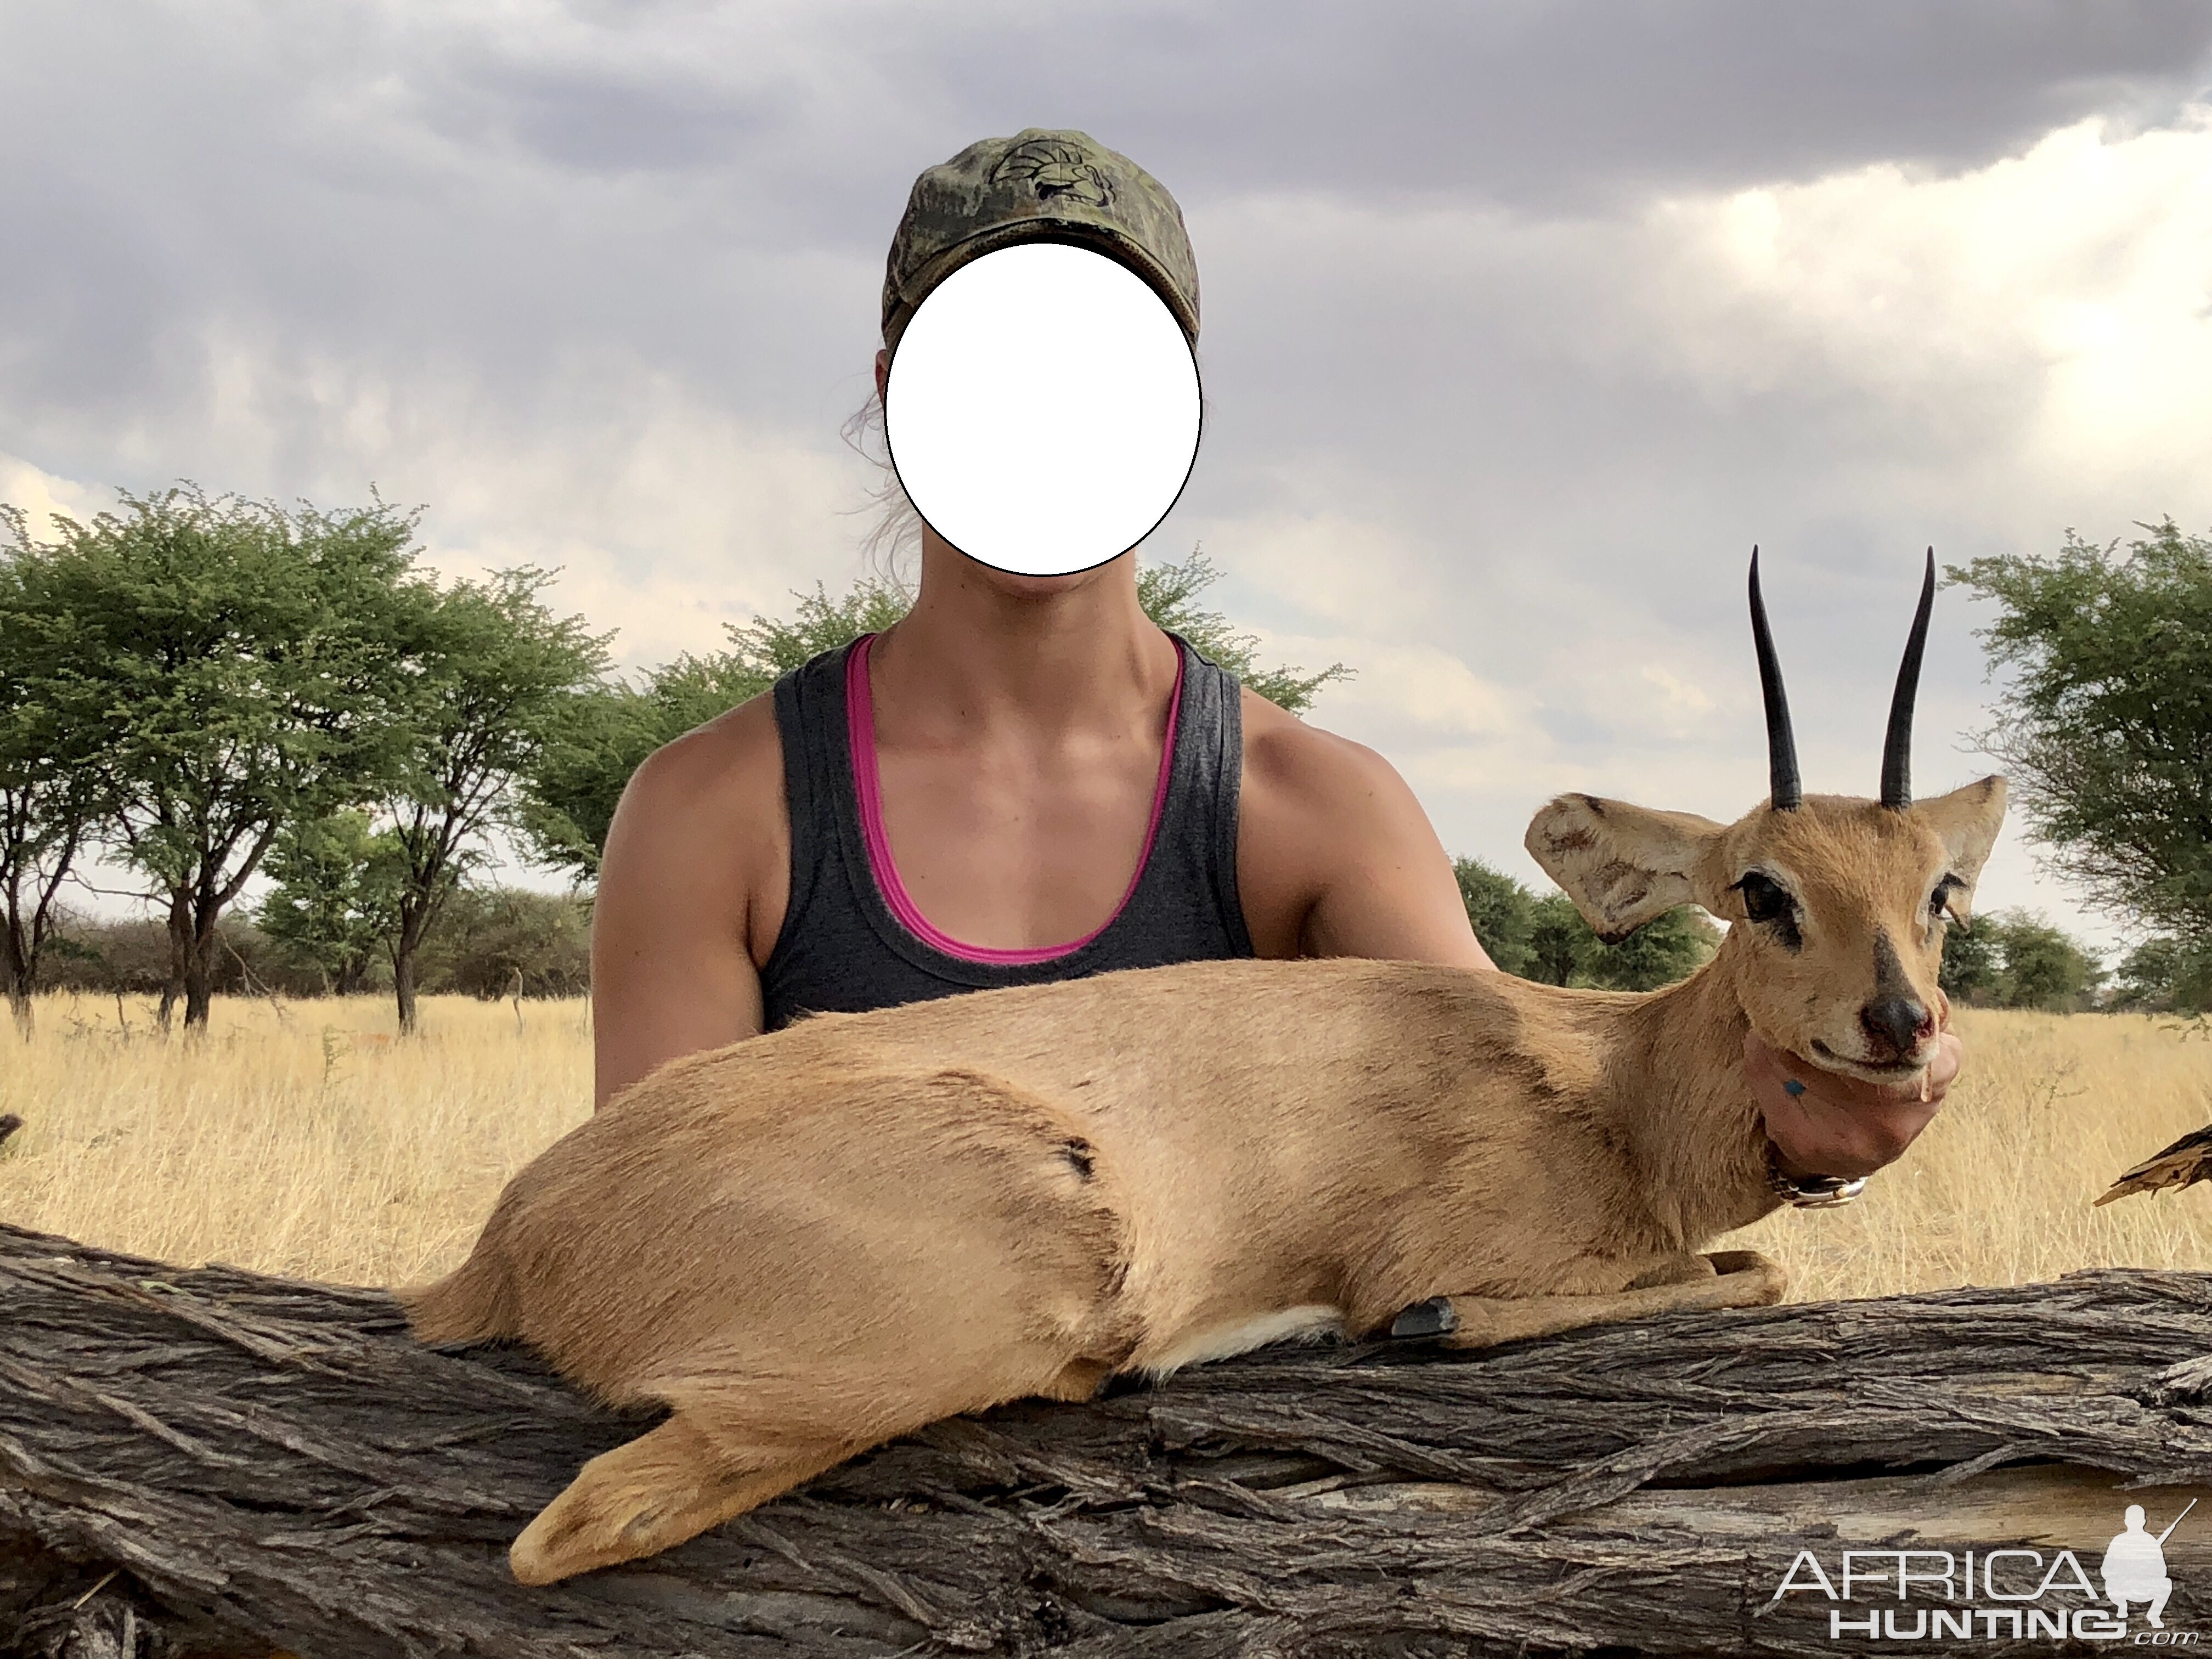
475	1303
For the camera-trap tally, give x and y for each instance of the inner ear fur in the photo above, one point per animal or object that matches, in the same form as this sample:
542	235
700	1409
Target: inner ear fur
1967	820
1622	864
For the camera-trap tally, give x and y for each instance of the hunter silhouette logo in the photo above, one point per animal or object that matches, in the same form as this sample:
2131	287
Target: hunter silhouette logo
1054	169
2135	1565
1932	1594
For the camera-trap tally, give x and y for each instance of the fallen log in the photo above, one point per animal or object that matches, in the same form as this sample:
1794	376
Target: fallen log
217	1462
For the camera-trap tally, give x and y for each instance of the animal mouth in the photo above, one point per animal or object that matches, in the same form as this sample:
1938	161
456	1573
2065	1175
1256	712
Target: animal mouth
1877	1068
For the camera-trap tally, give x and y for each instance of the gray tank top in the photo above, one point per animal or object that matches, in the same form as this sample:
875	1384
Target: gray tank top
852	941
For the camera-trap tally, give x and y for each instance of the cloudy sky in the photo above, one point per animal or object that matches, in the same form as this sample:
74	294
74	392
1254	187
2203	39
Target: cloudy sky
1521	321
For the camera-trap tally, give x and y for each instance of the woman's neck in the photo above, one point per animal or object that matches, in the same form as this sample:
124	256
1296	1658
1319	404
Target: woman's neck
983	650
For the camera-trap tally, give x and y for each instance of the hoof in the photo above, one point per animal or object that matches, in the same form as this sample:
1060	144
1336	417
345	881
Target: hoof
1434	1317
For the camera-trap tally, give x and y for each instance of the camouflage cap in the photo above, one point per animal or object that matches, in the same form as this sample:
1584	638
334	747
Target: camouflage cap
1038	186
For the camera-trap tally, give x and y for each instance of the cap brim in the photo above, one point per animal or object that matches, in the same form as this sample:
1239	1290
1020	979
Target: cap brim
1106	239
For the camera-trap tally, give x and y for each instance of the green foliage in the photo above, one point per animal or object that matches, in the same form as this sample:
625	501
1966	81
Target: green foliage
482	939
1544	938
227	667
2106	728
2012	959
48	806
2044	967
1665	949
494	671
1972	968
493	942
336	898
1502	913
1170	593
1561	945
762	652
595	739
130	957
602	735
2168	974
568	799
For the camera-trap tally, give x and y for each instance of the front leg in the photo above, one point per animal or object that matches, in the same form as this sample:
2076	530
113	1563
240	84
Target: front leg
1726	1279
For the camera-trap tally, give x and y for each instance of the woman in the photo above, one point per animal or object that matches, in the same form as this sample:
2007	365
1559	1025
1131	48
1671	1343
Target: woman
1025	779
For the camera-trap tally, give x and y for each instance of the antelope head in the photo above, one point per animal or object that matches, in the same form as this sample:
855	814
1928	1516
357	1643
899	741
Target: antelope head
1837	905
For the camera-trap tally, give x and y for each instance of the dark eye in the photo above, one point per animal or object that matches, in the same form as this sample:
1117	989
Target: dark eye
1766	900
1763	899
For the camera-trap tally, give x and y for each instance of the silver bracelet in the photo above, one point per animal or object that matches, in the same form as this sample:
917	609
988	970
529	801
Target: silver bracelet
1814	1192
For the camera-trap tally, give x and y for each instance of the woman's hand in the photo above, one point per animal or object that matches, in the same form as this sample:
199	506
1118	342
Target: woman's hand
1840	1124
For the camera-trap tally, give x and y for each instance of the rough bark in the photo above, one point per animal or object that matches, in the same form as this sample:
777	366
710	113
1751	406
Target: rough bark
403	986
230	1463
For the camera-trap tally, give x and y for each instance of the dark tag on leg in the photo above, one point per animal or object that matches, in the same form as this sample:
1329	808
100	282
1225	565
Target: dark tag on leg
1434	1317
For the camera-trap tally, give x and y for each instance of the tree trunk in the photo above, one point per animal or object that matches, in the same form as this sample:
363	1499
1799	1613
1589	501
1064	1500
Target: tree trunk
15	972
403	986
23	942
199	965
181	956
241	1462
416	914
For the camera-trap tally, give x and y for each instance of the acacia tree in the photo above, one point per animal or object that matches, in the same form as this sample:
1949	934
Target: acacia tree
229	667
332	900
2107	725
496	673
605	733
48	808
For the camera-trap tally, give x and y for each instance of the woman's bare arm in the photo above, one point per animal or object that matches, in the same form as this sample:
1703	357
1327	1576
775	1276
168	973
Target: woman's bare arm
1335	857
692	888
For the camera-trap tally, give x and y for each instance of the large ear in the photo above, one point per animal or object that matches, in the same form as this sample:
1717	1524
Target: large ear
1621	865
1967	819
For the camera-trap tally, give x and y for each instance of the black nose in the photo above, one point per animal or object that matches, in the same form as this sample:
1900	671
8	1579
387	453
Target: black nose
1900	1021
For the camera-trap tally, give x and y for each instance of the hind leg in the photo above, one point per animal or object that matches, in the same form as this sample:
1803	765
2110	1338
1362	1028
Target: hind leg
935	1244
749	1429
745	1432
655	1493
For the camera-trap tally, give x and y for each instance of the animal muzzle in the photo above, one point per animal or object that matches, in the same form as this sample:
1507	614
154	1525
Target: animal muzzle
1896	1027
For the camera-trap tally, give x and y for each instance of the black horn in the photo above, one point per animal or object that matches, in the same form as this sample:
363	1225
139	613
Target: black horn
1896	748
1786	793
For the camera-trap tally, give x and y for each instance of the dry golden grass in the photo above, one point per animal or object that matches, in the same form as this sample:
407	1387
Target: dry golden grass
311	1143
2000	1189
308	1142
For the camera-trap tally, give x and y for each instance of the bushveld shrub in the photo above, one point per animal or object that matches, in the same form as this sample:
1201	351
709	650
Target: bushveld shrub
487	942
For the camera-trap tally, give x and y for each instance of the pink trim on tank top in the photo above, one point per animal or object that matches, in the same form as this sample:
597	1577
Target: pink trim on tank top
860	738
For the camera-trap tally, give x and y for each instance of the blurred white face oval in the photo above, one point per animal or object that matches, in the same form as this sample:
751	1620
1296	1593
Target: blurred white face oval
1043	409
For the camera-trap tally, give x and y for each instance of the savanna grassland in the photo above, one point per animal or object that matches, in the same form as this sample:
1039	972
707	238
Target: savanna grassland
303	1138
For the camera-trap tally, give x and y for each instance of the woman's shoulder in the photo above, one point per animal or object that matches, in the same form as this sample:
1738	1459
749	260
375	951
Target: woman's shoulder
701	834
736	754
1334	855
712	797
1303	767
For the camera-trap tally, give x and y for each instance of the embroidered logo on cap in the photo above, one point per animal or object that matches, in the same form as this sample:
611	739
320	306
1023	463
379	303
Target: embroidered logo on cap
1055	168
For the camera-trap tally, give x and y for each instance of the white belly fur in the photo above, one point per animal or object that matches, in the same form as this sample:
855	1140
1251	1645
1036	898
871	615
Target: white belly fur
1313	1319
